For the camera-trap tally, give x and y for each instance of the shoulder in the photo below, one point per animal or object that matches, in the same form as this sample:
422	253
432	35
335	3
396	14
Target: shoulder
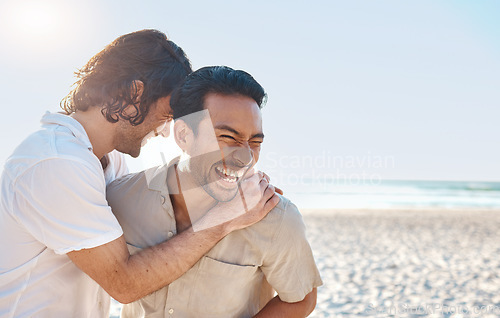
45	149
291	219
141	211
131	182
127	187
132	192
284	217
287	211
55	174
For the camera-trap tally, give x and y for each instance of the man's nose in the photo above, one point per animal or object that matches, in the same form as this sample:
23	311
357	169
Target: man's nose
243	156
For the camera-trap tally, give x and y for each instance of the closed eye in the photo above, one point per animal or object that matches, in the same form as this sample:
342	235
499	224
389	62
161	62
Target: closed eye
227	137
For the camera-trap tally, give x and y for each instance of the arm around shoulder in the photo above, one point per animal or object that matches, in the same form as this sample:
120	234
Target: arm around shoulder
128	278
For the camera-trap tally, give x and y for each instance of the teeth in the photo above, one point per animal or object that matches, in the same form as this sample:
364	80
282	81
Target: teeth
232	173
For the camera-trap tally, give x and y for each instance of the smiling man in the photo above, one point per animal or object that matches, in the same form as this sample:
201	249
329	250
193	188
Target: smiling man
62	248
218	126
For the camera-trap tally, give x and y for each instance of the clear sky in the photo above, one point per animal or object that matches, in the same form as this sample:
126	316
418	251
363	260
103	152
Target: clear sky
389	89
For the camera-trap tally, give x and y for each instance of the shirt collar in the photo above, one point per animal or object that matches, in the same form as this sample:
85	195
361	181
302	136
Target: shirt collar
70	123
157	177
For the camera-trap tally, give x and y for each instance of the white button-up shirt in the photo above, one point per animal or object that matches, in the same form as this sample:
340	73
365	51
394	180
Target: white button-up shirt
52	202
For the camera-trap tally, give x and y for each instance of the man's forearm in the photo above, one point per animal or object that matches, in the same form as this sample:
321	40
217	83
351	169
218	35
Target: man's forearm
277	308
130	277
179	254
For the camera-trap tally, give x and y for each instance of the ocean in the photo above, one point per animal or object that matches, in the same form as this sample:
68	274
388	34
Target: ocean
394	194
325	192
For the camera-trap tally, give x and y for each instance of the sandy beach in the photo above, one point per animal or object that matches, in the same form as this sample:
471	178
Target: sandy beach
405	263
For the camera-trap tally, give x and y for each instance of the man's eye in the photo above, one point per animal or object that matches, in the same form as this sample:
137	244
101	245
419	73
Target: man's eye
227	137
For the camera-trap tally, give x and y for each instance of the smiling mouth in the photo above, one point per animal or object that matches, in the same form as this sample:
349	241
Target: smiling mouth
229	175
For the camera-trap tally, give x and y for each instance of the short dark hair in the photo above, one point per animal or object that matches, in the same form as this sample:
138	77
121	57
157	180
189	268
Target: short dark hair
190	96
108	78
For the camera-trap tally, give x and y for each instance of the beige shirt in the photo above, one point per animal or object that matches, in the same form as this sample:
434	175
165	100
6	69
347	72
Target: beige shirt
231	280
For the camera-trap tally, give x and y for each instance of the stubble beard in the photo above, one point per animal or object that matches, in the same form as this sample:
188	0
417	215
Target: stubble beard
211	187
126	143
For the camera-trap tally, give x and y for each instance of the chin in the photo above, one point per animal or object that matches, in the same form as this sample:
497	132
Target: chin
134	153
221	195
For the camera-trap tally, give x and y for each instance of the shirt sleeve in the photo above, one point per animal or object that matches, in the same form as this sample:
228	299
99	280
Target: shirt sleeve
62	203
289	263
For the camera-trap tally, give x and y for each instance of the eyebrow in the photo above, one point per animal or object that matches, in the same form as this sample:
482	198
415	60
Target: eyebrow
237	133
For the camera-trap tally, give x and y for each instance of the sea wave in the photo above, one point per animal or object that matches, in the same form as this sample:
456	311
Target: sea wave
396	193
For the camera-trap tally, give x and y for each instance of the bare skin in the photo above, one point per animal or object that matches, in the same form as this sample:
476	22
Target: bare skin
276	308
128	278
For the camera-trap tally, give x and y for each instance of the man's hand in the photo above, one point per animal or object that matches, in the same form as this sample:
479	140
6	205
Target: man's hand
276	189
255	198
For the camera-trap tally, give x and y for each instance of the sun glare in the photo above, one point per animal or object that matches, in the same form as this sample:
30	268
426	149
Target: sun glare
34	30
35	20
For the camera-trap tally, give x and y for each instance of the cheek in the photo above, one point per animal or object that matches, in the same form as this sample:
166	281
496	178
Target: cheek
225	149
205	161
205	145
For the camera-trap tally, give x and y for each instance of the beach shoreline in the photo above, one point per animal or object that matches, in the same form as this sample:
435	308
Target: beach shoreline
396	209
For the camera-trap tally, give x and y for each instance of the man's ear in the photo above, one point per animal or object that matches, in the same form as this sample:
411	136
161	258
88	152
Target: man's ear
136	90
183	135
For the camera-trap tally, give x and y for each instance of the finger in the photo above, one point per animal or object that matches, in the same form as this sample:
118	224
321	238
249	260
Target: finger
249	174
271	203
266	176
261	174
271	187
255	179
278	190
253	193
268	192
263	185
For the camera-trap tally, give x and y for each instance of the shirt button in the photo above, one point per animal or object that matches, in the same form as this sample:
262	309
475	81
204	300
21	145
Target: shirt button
171	311
170	234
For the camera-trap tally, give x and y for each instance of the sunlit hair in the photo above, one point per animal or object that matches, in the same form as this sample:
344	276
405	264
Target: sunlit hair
108	78
189	97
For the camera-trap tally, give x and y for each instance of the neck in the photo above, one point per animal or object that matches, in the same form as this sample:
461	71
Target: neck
189	204
98	129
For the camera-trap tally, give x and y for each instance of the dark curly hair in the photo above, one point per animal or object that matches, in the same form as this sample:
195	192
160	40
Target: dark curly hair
108	79
189	97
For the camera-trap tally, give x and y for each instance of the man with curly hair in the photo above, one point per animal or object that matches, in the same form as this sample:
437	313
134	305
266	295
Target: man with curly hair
62	248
